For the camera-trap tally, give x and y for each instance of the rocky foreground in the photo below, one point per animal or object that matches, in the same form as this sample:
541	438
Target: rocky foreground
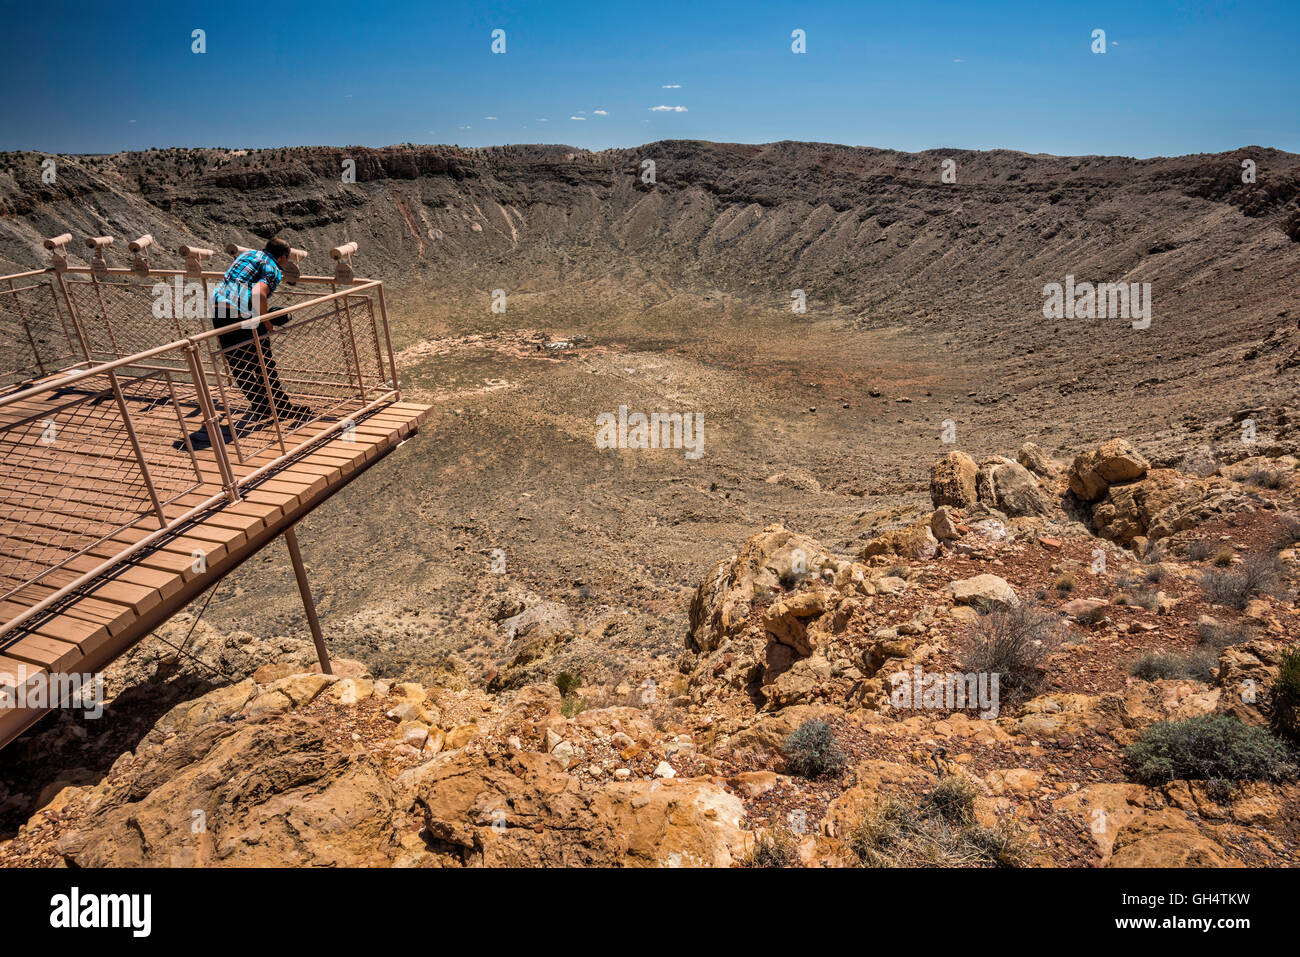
1143	622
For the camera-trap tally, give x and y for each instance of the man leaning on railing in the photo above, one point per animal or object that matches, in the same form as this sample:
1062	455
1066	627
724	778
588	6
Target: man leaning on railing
239	305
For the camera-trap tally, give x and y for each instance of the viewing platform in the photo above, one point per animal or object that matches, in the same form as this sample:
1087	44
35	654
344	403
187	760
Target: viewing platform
135	473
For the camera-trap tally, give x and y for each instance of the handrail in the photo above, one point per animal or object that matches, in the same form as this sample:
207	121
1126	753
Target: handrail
60	510
138	357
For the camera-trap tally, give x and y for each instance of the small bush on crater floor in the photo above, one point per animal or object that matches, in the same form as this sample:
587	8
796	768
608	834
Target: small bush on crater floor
941	833
567	683
1264	478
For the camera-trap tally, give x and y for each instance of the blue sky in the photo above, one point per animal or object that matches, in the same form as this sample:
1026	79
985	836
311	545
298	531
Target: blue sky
1177	77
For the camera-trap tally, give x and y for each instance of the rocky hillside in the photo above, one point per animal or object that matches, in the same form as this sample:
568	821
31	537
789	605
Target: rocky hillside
873	232
686	661
1143	622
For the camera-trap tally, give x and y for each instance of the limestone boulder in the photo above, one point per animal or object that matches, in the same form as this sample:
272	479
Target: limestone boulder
274	792
1033	458
773	560
952	480
524	810
1115	461
915	541
1010	488
983	590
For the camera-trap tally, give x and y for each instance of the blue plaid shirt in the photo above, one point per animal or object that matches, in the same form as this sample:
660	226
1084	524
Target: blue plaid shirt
232	300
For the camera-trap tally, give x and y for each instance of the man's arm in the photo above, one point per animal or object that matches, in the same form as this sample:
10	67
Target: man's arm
260	293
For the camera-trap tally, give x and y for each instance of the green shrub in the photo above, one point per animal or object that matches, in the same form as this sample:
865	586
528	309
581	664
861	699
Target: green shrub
1207	747
1284	696
573	705
567	683
811	750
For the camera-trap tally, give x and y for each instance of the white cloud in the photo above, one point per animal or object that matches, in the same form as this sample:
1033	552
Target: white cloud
668	109
577	117
489	117
601	112
542	119
671	86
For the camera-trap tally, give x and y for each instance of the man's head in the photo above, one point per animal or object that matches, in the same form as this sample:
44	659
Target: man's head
278	250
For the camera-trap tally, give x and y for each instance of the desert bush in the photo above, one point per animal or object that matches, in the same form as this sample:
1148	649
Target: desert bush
1262	477
1013	643
776	847
1198	551
1284	696
572	705
1138	595
1220	790
567	683
1223	557
953	799
1207	747
1218	636
1091	616
1198	665
1001	846
896	833
1065	582
1259	574
811	750
880	832
1287	534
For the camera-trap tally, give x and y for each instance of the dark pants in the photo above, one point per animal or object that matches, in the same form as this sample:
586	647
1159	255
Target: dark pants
241	357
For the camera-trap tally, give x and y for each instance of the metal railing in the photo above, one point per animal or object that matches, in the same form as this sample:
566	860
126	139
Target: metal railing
35	328
126	410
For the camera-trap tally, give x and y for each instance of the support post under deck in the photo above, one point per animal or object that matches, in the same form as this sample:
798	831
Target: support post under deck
295	556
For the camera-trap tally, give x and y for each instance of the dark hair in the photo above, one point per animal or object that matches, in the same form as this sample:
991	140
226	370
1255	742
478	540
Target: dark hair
276	248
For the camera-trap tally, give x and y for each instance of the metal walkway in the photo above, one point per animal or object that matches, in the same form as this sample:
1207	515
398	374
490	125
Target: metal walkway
135	472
